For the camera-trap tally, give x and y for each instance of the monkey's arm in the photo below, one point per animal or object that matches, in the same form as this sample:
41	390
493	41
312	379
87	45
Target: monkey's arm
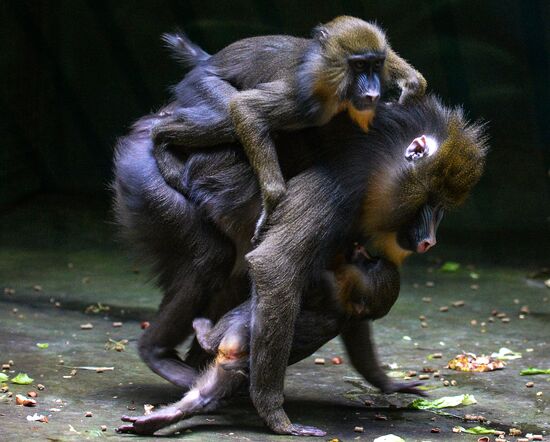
255	113
412	83
357	337
302	230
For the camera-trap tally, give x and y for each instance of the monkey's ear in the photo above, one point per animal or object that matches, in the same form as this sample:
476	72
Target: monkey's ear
321	34
420	147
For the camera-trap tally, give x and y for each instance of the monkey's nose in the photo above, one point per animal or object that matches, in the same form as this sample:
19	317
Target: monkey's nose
372	97
425	245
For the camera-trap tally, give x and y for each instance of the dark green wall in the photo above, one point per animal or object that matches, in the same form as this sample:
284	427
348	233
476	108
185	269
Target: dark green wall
75	74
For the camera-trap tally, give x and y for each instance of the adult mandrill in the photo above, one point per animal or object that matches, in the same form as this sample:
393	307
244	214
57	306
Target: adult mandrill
390	185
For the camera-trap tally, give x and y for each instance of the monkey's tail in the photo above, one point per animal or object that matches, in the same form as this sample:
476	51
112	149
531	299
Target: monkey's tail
184	50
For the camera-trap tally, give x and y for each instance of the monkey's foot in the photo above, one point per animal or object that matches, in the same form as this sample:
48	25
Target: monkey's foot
149	424
405	387
302	430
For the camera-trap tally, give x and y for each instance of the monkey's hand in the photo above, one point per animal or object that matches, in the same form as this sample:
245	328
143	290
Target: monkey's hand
403	387
412	88
149	424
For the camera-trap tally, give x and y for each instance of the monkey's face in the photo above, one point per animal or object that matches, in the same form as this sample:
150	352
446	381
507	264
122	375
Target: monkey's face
365	79
353	53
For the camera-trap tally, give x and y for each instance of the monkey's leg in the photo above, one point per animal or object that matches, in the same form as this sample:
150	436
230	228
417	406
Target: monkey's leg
357	337
255	113
212	387
206	124
303	228
412	83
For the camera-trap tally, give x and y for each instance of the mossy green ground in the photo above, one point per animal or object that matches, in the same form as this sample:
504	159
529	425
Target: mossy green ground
67	248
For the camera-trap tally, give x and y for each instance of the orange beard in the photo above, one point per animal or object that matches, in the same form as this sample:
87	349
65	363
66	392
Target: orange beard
361	118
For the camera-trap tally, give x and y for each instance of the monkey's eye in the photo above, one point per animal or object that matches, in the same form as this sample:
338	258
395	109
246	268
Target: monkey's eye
358	65
378	65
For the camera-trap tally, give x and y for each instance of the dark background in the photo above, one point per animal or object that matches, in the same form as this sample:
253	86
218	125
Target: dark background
75	74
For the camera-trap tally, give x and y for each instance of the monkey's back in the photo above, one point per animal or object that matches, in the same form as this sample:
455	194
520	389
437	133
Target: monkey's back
255	60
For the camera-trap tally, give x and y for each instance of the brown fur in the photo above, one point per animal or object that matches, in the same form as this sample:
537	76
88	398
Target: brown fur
397	191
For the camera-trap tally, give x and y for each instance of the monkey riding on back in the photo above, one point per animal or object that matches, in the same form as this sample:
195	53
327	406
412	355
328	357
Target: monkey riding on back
262	84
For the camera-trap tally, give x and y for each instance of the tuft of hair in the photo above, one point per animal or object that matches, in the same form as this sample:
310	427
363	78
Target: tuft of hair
343	36
184	50
399	188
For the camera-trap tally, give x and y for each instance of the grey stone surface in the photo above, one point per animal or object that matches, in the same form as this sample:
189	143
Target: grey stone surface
80	271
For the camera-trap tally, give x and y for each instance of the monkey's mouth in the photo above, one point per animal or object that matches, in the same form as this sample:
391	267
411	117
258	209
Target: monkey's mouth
364	105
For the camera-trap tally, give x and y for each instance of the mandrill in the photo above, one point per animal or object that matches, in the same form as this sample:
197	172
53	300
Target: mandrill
388	187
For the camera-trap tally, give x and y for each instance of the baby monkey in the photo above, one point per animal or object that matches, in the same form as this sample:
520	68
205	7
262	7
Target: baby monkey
358	289
263	84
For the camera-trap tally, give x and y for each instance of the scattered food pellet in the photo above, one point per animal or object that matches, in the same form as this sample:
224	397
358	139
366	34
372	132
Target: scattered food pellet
473	322
525	310
500	439
505	320
539	393
474	417
148	409
500	315
446	383
423	377
458	303
474	287
530	384
426	299
436	430
453	383
437	355
37	288
87	326
428	370
537	436
444	309
5	366
320	361
411	373
103	428
359	429
422	317
514	432
424	324
430	284
483	439
117	324
88	414
522	439
22	400
437	374
9	291
380	417
144	325
337	360
32	394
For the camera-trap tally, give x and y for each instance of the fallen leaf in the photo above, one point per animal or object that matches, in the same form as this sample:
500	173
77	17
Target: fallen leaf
506	354
22	379
3	377
476	430
450	266
42	345
444	402
531	371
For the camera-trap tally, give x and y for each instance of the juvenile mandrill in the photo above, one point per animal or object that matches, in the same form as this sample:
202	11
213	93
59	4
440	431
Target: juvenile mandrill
360	290
263	84
390	185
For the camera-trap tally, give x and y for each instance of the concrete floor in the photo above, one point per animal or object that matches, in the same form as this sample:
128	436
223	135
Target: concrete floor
68	251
